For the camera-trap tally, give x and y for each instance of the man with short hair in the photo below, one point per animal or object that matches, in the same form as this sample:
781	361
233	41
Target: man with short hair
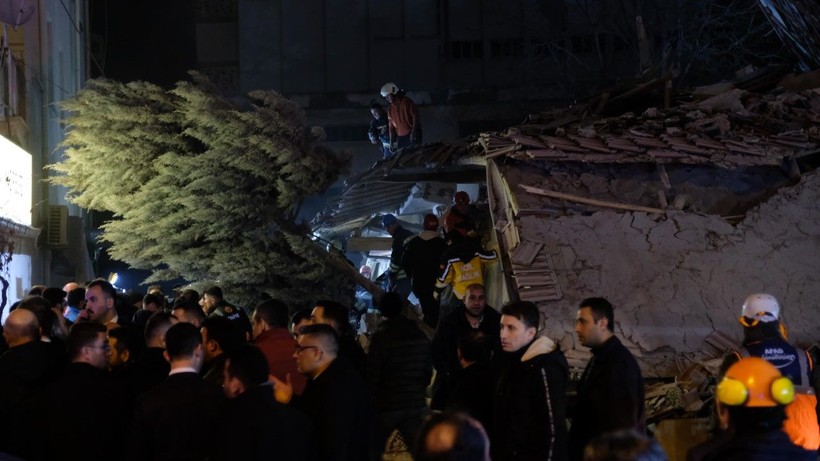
268	428
215	306
336	315
472	314
150	303
219	337
100	297
298	320
398	372
335	398
271	336
189	311
529	416
421	260
75	302
98	403
125	348
474	385
610	392
152	368
169	419
29	361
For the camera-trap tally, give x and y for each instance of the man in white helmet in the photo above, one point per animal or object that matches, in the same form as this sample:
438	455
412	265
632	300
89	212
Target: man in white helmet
403	117
765	337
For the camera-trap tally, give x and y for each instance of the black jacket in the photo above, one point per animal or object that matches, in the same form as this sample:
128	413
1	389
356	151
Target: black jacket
83	397
338	405
399	365
529	408
265	429
760	446
610	396
472	392
445	344
422	256
170	420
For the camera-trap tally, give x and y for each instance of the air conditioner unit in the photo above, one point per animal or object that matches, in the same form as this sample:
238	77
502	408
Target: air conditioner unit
57	226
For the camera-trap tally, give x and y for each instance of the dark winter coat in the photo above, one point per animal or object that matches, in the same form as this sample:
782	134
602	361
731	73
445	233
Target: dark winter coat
760	446
399	365
610	396
422	257
338	406
445	344
400	237
529	408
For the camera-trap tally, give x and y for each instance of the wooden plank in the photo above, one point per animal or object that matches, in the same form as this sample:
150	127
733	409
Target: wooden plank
526	252
588	201
369	243
545	153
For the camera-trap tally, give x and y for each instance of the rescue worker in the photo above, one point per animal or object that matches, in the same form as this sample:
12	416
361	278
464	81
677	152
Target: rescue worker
403	117
421	261
764	337
397	277
752	399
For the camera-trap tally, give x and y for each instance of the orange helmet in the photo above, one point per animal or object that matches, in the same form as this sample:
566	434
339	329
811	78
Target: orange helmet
754	382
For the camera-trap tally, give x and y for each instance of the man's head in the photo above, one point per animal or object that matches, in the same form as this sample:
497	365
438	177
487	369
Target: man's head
318	347
21	327
268	315
389	91
755	394
87	343
390	305
68	287
124	343
595	321
156	328
519	325
452	437
183	345
298	320
430	222
55	298
376	110
759	308
76	298
462	201
152	302
475	300
219	335
210	297
624	445
41	309
100	297
189	311
390	223
331	313
474	346
246	368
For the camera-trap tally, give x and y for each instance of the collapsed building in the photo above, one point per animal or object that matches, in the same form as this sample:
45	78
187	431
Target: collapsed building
675	215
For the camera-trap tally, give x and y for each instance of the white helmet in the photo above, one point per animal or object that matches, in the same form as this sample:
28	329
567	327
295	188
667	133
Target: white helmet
762	307
389	88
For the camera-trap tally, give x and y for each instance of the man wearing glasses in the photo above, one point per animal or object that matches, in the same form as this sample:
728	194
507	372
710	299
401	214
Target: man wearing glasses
335	398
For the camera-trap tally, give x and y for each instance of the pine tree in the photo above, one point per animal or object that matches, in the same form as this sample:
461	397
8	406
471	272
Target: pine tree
202	187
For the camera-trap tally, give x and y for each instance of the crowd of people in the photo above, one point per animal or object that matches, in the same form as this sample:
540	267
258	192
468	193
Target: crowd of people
89	374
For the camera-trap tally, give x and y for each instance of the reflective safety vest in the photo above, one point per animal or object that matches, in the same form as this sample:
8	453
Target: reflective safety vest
795	363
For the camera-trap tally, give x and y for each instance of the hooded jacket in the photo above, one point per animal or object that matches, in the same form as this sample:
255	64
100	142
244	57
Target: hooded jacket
422	254
529	406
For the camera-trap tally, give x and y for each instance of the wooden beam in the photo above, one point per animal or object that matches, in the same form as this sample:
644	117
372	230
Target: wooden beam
589	201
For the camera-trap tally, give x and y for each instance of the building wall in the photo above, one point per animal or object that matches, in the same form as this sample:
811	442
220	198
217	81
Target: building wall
675	281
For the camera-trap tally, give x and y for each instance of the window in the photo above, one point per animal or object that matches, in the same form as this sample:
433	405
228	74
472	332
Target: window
507	48
466	49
